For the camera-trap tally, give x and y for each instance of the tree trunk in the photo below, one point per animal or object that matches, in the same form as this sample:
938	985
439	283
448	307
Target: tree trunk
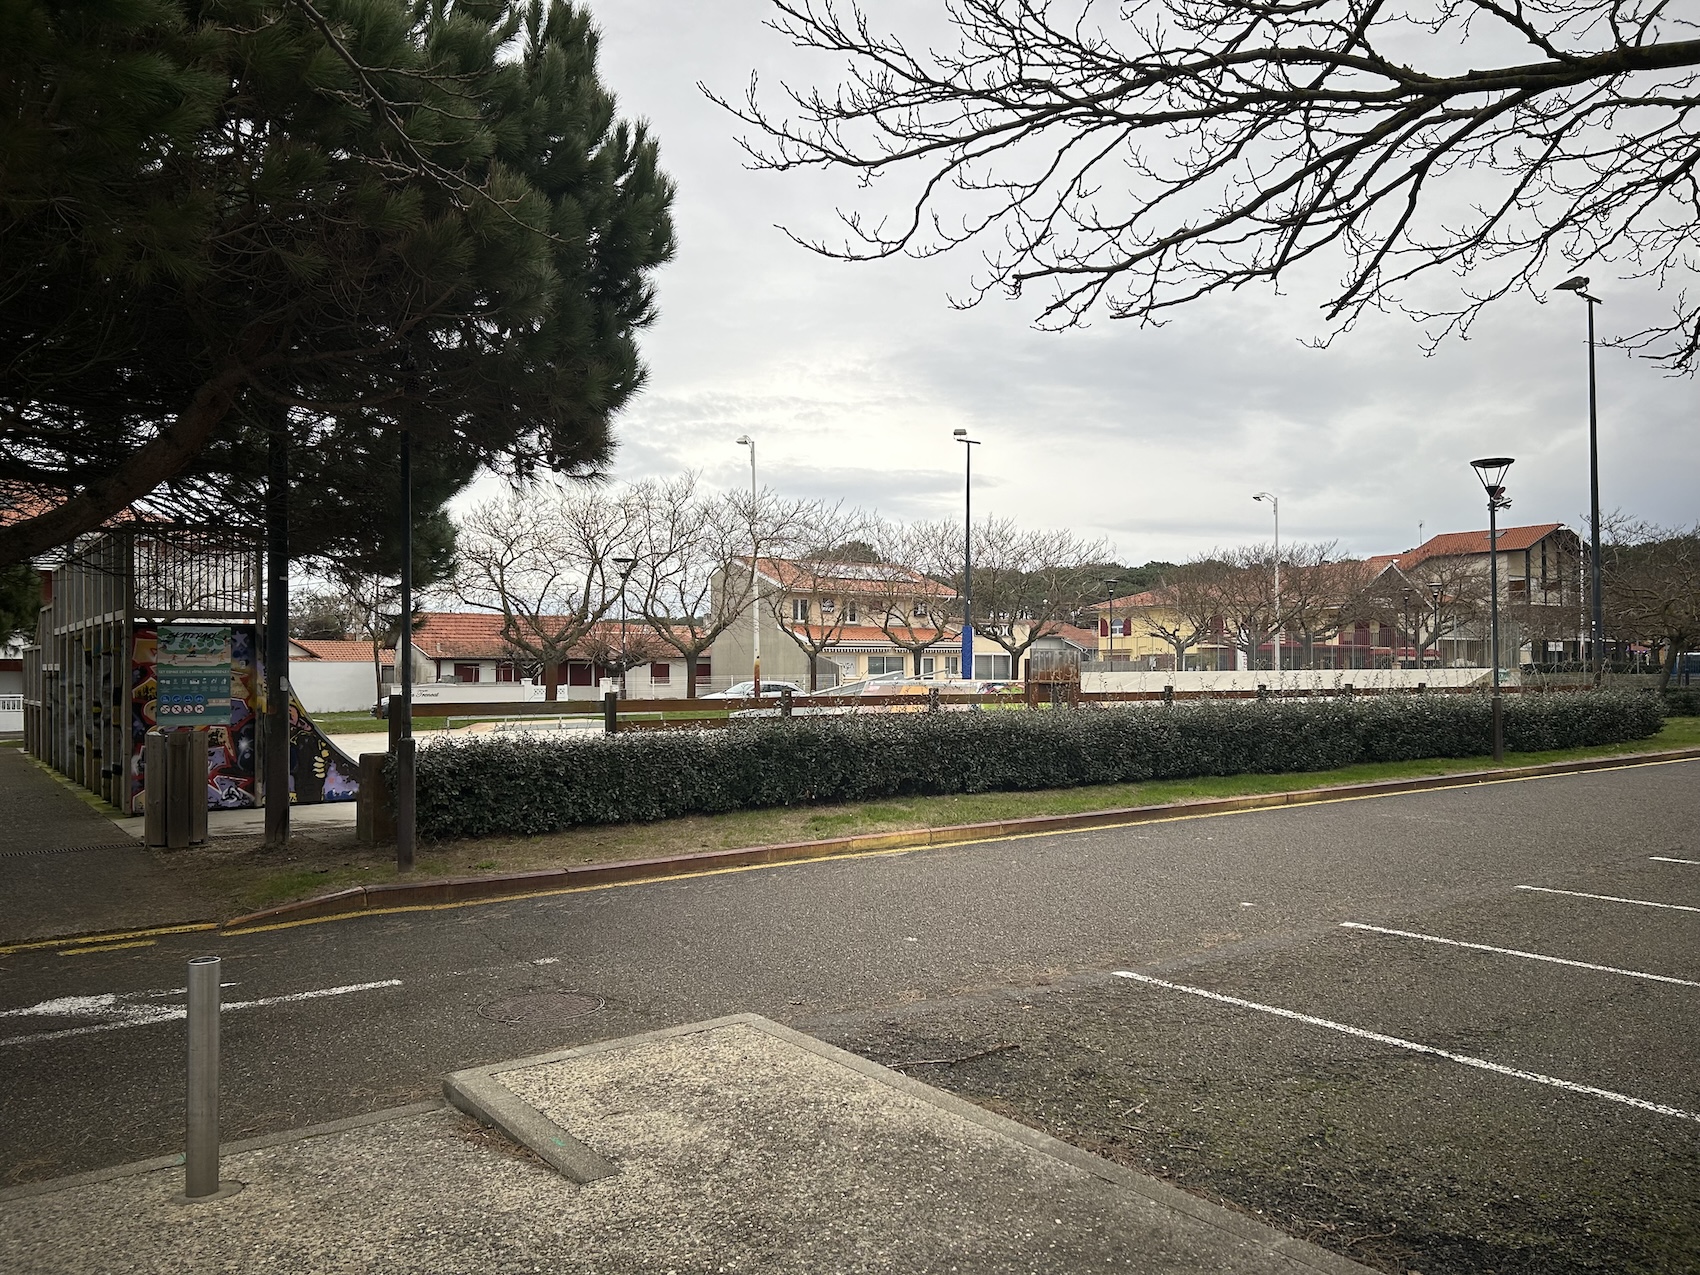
551	679
141	472
691	675
1667	666
275	727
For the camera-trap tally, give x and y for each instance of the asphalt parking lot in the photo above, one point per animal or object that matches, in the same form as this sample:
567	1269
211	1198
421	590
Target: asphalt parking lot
1504	1085
1381	1064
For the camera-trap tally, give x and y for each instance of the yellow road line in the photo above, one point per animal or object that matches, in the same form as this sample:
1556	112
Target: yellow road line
1274	803
919	845
194	927
110	947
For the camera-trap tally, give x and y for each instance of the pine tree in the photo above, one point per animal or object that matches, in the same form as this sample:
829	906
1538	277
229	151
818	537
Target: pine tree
356	215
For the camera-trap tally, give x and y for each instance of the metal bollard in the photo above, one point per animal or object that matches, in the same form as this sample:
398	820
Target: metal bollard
785	702
200	1150
611	712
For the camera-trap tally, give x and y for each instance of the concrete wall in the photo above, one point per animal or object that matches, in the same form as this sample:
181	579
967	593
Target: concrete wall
1317	680
333	686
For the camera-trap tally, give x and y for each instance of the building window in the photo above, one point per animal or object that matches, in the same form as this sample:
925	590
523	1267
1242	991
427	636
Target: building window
507	671
661	672
467	673
919	610
927	665
579	673
705	668
850	613
992	668
827	606
799	610
878	664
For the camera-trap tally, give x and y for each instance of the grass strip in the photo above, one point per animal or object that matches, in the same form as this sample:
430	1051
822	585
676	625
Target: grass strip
240	876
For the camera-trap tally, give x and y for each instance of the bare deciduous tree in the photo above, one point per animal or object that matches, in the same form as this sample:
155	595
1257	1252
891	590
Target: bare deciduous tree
693	579
1138	156
912	607
1651	580
1029	583
542	559
1186	611
825	580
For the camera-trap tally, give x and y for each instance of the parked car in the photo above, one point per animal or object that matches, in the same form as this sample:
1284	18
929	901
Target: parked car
746	690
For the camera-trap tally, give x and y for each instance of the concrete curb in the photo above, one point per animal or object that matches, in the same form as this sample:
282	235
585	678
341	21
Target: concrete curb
388	1114
358	899
532	1129
478	1093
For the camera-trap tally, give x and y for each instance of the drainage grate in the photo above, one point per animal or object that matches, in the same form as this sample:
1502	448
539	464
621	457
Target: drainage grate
36	854
541	1007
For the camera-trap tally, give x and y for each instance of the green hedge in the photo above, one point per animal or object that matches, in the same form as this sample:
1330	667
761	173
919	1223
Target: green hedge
1682	701
520	785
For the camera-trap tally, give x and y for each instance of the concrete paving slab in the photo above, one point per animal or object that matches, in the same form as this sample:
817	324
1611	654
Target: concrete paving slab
739	1145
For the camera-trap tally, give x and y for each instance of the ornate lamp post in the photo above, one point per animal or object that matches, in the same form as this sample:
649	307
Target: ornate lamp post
625	565
1491	471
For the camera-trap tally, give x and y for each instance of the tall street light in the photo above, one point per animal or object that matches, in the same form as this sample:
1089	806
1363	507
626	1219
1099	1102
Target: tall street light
1491	470
1275	503
1579	285
744	440
968	446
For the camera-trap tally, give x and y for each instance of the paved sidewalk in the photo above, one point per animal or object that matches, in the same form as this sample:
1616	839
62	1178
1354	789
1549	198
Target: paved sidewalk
735	1145
66	868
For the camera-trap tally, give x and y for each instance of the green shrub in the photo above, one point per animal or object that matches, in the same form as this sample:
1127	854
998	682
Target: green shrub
1682	701
528	784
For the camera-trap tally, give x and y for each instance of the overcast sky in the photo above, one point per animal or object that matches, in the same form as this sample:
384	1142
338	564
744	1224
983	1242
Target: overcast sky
852	376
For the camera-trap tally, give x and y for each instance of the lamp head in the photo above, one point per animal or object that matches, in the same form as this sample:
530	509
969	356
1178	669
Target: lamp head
1573	284
1264	495
1491	470
744	440
959	433
625	565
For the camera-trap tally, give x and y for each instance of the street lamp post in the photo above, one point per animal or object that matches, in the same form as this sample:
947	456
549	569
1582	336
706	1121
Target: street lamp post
744	440
1579	285
1434	592
625	565
968	446
1491	471
1110	623
1275	504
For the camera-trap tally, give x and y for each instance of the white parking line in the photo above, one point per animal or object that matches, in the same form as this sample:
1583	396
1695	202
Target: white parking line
1481	1064
1661	858
125	1012
1612	898
1512	951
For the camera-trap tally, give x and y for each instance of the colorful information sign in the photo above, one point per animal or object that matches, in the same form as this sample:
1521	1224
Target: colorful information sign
192	674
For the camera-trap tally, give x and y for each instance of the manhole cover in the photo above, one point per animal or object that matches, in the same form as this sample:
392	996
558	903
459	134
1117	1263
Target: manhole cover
541	1007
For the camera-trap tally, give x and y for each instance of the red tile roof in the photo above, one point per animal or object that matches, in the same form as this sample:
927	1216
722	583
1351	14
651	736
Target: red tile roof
344	652
849	577
477	635
1150	598
1465	544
